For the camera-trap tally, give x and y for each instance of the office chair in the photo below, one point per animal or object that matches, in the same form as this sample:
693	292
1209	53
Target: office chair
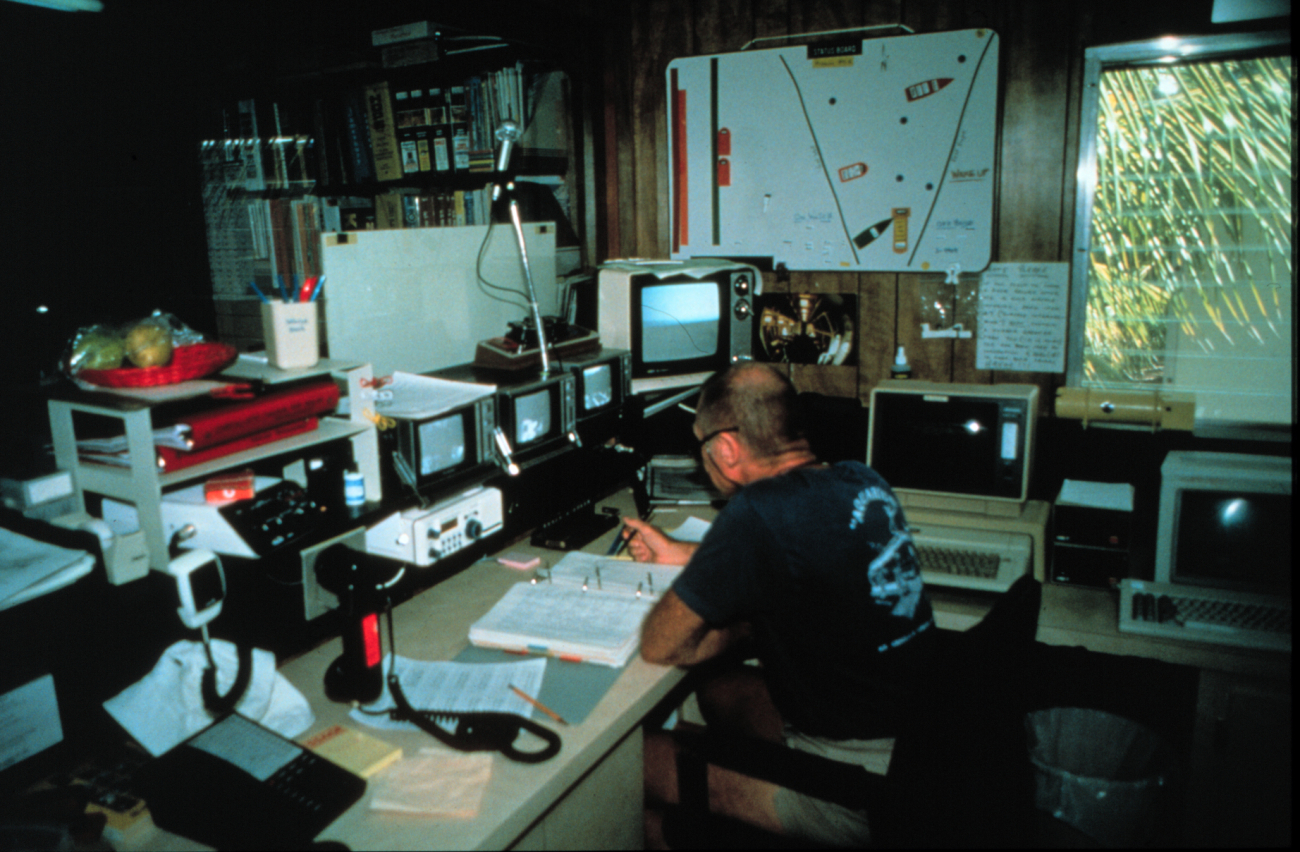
959	775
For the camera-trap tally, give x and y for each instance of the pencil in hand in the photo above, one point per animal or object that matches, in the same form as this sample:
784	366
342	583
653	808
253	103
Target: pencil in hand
620	541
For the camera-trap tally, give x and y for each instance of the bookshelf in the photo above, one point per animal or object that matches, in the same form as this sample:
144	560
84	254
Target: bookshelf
400	135
143	485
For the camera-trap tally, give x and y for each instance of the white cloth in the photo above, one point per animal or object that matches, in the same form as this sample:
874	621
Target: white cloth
166	705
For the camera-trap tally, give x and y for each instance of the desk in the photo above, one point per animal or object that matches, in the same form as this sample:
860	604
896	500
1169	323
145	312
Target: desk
589	795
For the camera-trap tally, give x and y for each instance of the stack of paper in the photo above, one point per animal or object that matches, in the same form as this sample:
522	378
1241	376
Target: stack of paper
30	568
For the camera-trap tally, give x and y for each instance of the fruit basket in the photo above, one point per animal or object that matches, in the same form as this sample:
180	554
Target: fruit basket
187	362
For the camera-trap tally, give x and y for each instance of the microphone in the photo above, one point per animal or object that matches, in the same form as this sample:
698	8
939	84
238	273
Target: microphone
507	134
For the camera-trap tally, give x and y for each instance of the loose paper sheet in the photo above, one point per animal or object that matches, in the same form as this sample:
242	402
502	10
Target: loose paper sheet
456	687
424	396
1022	313
1117	496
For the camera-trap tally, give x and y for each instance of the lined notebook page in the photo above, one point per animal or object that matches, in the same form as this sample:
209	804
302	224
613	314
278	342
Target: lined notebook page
564	621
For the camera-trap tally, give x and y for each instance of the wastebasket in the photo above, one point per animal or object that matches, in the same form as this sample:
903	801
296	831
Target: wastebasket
1105	775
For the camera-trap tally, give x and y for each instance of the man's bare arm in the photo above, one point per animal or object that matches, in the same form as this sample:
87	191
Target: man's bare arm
674	635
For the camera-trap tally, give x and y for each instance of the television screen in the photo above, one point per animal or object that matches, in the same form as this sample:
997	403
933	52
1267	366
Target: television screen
679	320
597	387
532	417
441	444
1235	538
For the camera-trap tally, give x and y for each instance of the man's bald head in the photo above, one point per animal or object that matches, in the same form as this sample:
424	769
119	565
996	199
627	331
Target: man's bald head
760	402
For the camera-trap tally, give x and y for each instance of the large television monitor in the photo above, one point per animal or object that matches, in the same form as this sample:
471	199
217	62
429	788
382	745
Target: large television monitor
1225	522
681	320
953	446
444	449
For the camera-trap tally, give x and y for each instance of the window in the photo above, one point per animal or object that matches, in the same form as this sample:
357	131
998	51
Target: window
1183	226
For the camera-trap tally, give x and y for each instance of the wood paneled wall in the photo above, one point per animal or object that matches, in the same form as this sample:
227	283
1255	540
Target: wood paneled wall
1041	58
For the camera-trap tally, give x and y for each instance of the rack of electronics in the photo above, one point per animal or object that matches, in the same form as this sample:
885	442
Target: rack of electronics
538	452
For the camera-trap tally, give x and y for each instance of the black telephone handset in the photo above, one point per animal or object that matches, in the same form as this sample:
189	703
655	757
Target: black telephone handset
239	785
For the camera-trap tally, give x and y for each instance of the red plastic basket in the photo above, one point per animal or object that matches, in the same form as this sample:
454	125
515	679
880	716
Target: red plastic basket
188	362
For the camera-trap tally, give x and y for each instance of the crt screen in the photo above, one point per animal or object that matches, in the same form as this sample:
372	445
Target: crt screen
597	387
679	321
442	444
532	417
950	447
1237	540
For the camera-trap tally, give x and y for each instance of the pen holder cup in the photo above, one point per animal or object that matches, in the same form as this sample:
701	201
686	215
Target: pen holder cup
292	334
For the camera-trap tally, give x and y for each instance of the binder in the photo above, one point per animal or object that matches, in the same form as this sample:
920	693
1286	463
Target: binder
383	135
221	425
590	610
171	459
458	118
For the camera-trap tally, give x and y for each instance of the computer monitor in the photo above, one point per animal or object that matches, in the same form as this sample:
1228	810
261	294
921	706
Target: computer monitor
1225	522
681	320
953	446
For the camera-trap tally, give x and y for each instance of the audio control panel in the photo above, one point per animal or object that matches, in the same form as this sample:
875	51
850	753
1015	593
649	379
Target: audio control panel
422	536
279	513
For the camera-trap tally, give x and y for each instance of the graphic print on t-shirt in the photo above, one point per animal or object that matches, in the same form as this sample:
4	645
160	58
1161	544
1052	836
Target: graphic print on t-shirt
893	573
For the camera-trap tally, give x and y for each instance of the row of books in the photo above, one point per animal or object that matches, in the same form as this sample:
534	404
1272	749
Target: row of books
437	208
377	132
281	237
453	130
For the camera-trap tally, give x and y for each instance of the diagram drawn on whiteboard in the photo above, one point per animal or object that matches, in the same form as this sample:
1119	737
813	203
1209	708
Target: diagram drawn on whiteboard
882	159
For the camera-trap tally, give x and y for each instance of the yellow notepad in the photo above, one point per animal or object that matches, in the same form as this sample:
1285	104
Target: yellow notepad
356	752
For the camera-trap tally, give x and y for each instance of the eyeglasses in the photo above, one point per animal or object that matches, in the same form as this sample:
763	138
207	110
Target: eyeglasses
715	433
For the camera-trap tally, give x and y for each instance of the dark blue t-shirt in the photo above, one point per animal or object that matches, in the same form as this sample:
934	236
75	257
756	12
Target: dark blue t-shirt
819	560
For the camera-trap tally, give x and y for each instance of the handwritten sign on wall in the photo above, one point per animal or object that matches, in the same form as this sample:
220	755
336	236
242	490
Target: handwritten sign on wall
1022	313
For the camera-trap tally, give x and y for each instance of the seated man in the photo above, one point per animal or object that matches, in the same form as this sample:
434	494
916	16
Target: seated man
815	565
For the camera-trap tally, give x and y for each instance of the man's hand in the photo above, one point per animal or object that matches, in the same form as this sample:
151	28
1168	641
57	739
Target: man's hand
648	543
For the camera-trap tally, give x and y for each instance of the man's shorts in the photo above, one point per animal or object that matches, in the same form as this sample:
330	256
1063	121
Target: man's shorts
820	821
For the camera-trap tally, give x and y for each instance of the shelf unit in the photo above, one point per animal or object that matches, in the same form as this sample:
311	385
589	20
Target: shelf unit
143	485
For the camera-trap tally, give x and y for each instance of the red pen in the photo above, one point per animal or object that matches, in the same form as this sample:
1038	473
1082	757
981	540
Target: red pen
304	292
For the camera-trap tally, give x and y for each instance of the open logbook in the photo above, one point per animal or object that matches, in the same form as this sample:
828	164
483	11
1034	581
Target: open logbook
588	609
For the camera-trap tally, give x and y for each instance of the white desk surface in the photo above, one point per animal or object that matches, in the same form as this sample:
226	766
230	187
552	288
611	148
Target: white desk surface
434	625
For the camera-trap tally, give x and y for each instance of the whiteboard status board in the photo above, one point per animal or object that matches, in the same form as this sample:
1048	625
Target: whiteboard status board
875	155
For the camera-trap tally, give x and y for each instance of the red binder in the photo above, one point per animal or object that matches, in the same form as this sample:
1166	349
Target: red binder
221	425
170	459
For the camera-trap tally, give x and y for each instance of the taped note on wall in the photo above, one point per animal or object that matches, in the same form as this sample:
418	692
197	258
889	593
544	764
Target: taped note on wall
1022	314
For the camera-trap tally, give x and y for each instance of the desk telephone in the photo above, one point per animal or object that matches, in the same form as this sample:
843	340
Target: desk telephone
237	784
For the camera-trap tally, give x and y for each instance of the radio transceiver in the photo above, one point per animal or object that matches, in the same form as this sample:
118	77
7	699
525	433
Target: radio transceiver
422	536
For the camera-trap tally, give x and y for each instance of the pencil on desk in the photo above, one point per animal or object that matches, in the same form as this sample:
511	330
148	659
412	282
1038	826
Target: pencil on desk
539	705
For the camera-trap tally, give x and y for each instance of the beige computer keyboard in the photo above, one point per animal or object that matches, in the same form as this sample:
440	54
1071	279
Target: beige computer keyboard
1197	614
971	558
